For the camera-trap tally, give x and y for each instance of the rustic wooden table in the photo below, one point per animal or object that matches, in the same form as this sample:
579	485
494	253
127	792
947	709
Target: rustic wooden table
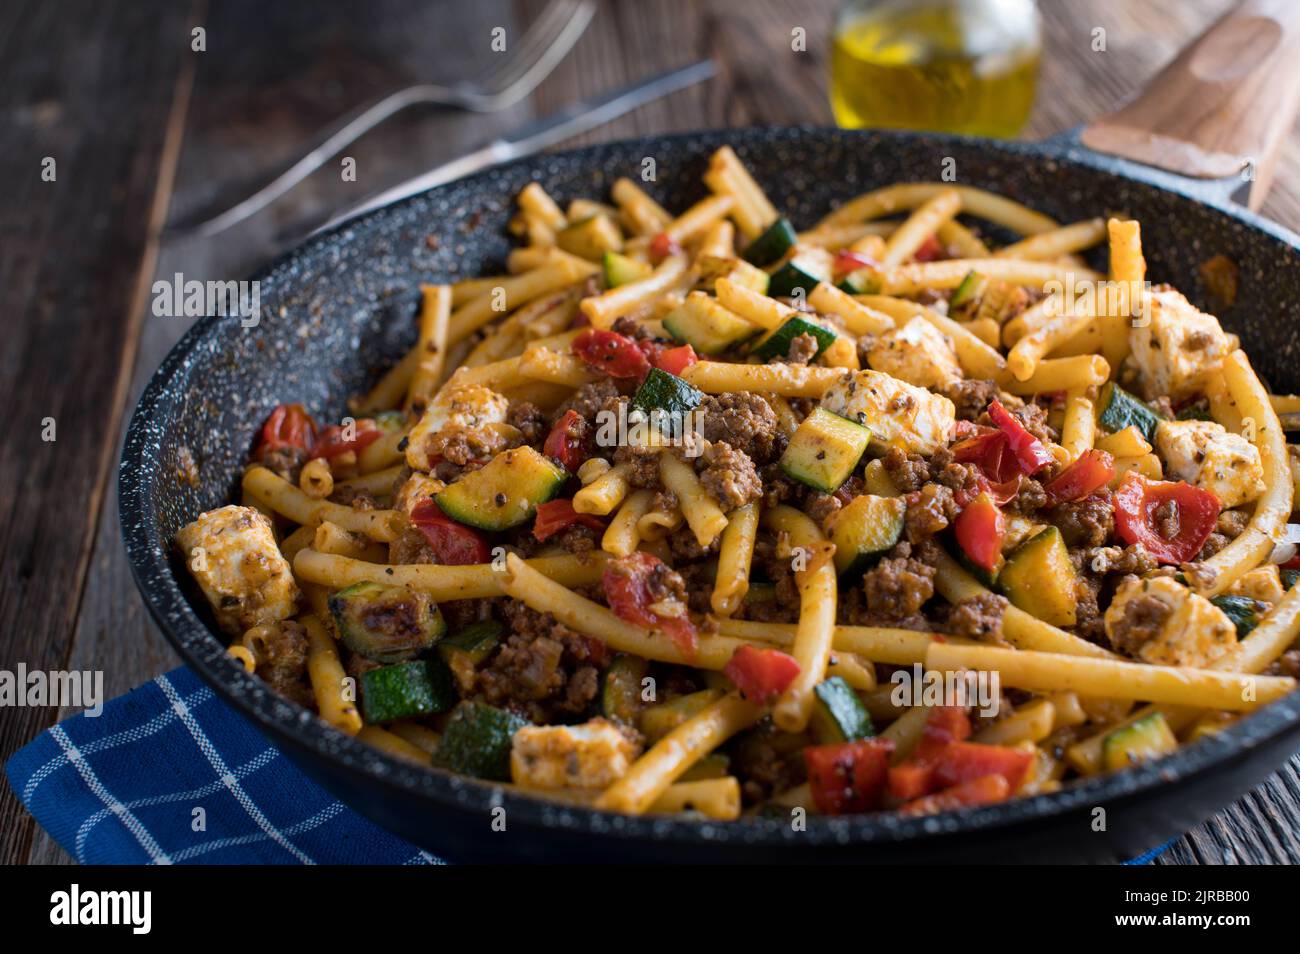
143	127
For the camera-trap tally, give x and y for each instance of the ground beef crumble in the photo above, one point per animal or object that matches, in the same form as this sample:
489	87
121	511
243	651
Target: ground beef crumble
979	617
1143	618
898	587
729	476
743	420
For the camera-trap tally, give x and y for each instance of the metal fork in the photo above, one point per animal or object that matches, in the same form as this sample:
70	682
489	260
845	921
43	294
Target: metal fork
546	42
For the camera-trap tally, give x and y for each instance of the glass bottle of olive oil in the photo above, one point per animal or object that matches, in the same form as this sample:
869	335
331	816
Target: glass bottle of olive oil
964	66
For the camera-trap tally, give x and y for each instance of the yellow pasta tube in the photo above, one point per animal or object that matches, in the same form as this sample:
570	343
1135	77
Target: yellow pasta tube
1273	508
735	554
727	175
510	293
858	318
701	511
765	312
698	218
966	243
604	309
977	358
978	202
534	200
473	581
1079	428
1053	244
622	535
718	241
604	493
818	600
650	776
1128	271
1111	678
920	225
1061	374
916	278
712	797
315	479
435	313
288	501
543	365
1025	354
325	671
392	744
645	215
788	380
1031	722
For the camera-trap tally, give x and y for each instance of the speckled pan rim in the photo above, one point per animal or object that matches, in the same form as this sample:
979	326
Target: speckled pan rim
299	729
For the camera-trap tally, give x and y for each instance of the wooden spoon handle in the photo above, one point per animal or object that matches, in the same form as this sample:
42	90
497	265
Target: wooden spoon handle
1223	106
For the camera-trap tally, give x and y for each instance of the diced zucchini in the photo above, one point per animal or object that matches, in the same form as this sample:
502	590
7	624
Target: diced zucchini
505	493
1040	579
476	741
1244	612
824	449
777	239
591	238
706	326
1119	410
619	269
838	715
777	343
968	290
1194	412
620	696
864	281
864	529
657	721
408	689
736	270
801	274
661	391
473	644
388	624
1289	578
716	765
1148	738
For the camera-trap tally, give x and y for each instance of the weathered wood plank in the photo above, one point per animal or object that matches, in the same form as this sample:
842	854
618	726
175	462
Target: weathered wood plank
96	98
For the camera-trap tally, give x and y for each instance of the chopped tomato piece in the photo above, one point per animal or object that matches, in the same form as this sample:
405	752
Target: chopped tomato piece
289	425
1143	507
847	261
848	777
1093	470
761	674
663	245
985	790
980	529
454	543
675	360
557	515
611	353
566	444
930	250
1028	450
335	440
991	453
626	581
964	761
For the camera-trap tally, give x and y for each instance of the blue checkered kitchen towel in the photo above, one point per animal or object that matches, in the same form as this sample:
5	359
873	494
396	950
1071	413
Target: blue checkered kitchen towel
126	787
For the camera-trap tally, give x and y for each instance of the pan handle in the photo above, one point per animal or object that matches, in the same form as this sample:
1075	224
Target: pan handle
1224	105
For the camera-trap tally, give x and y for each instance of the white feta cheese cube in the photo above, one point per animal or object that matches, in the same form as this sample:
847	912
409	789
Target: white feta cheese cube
1176	348
593	755
1162	622
918	353
897	413
1213	458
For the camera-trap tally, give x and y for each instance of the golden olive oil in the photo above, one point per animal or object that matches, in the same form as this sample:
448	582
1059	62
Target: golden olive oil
963	66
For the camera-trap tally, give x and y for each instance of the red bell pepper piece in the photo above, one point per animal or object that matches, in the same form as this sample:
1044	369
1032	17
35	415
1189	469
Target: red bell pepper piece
611	353
846	262
289	425
626	585
1029	451
848	777
566	444
663	245
985	790
454	543
334	442
675	360
1136	503
1093	470
555	516
944	725
980	529
911	780
761	674
965	761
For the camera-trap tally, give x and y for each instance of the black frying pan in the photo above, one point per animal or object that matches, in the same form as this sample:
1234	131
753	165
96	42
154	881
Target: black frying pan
338	309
